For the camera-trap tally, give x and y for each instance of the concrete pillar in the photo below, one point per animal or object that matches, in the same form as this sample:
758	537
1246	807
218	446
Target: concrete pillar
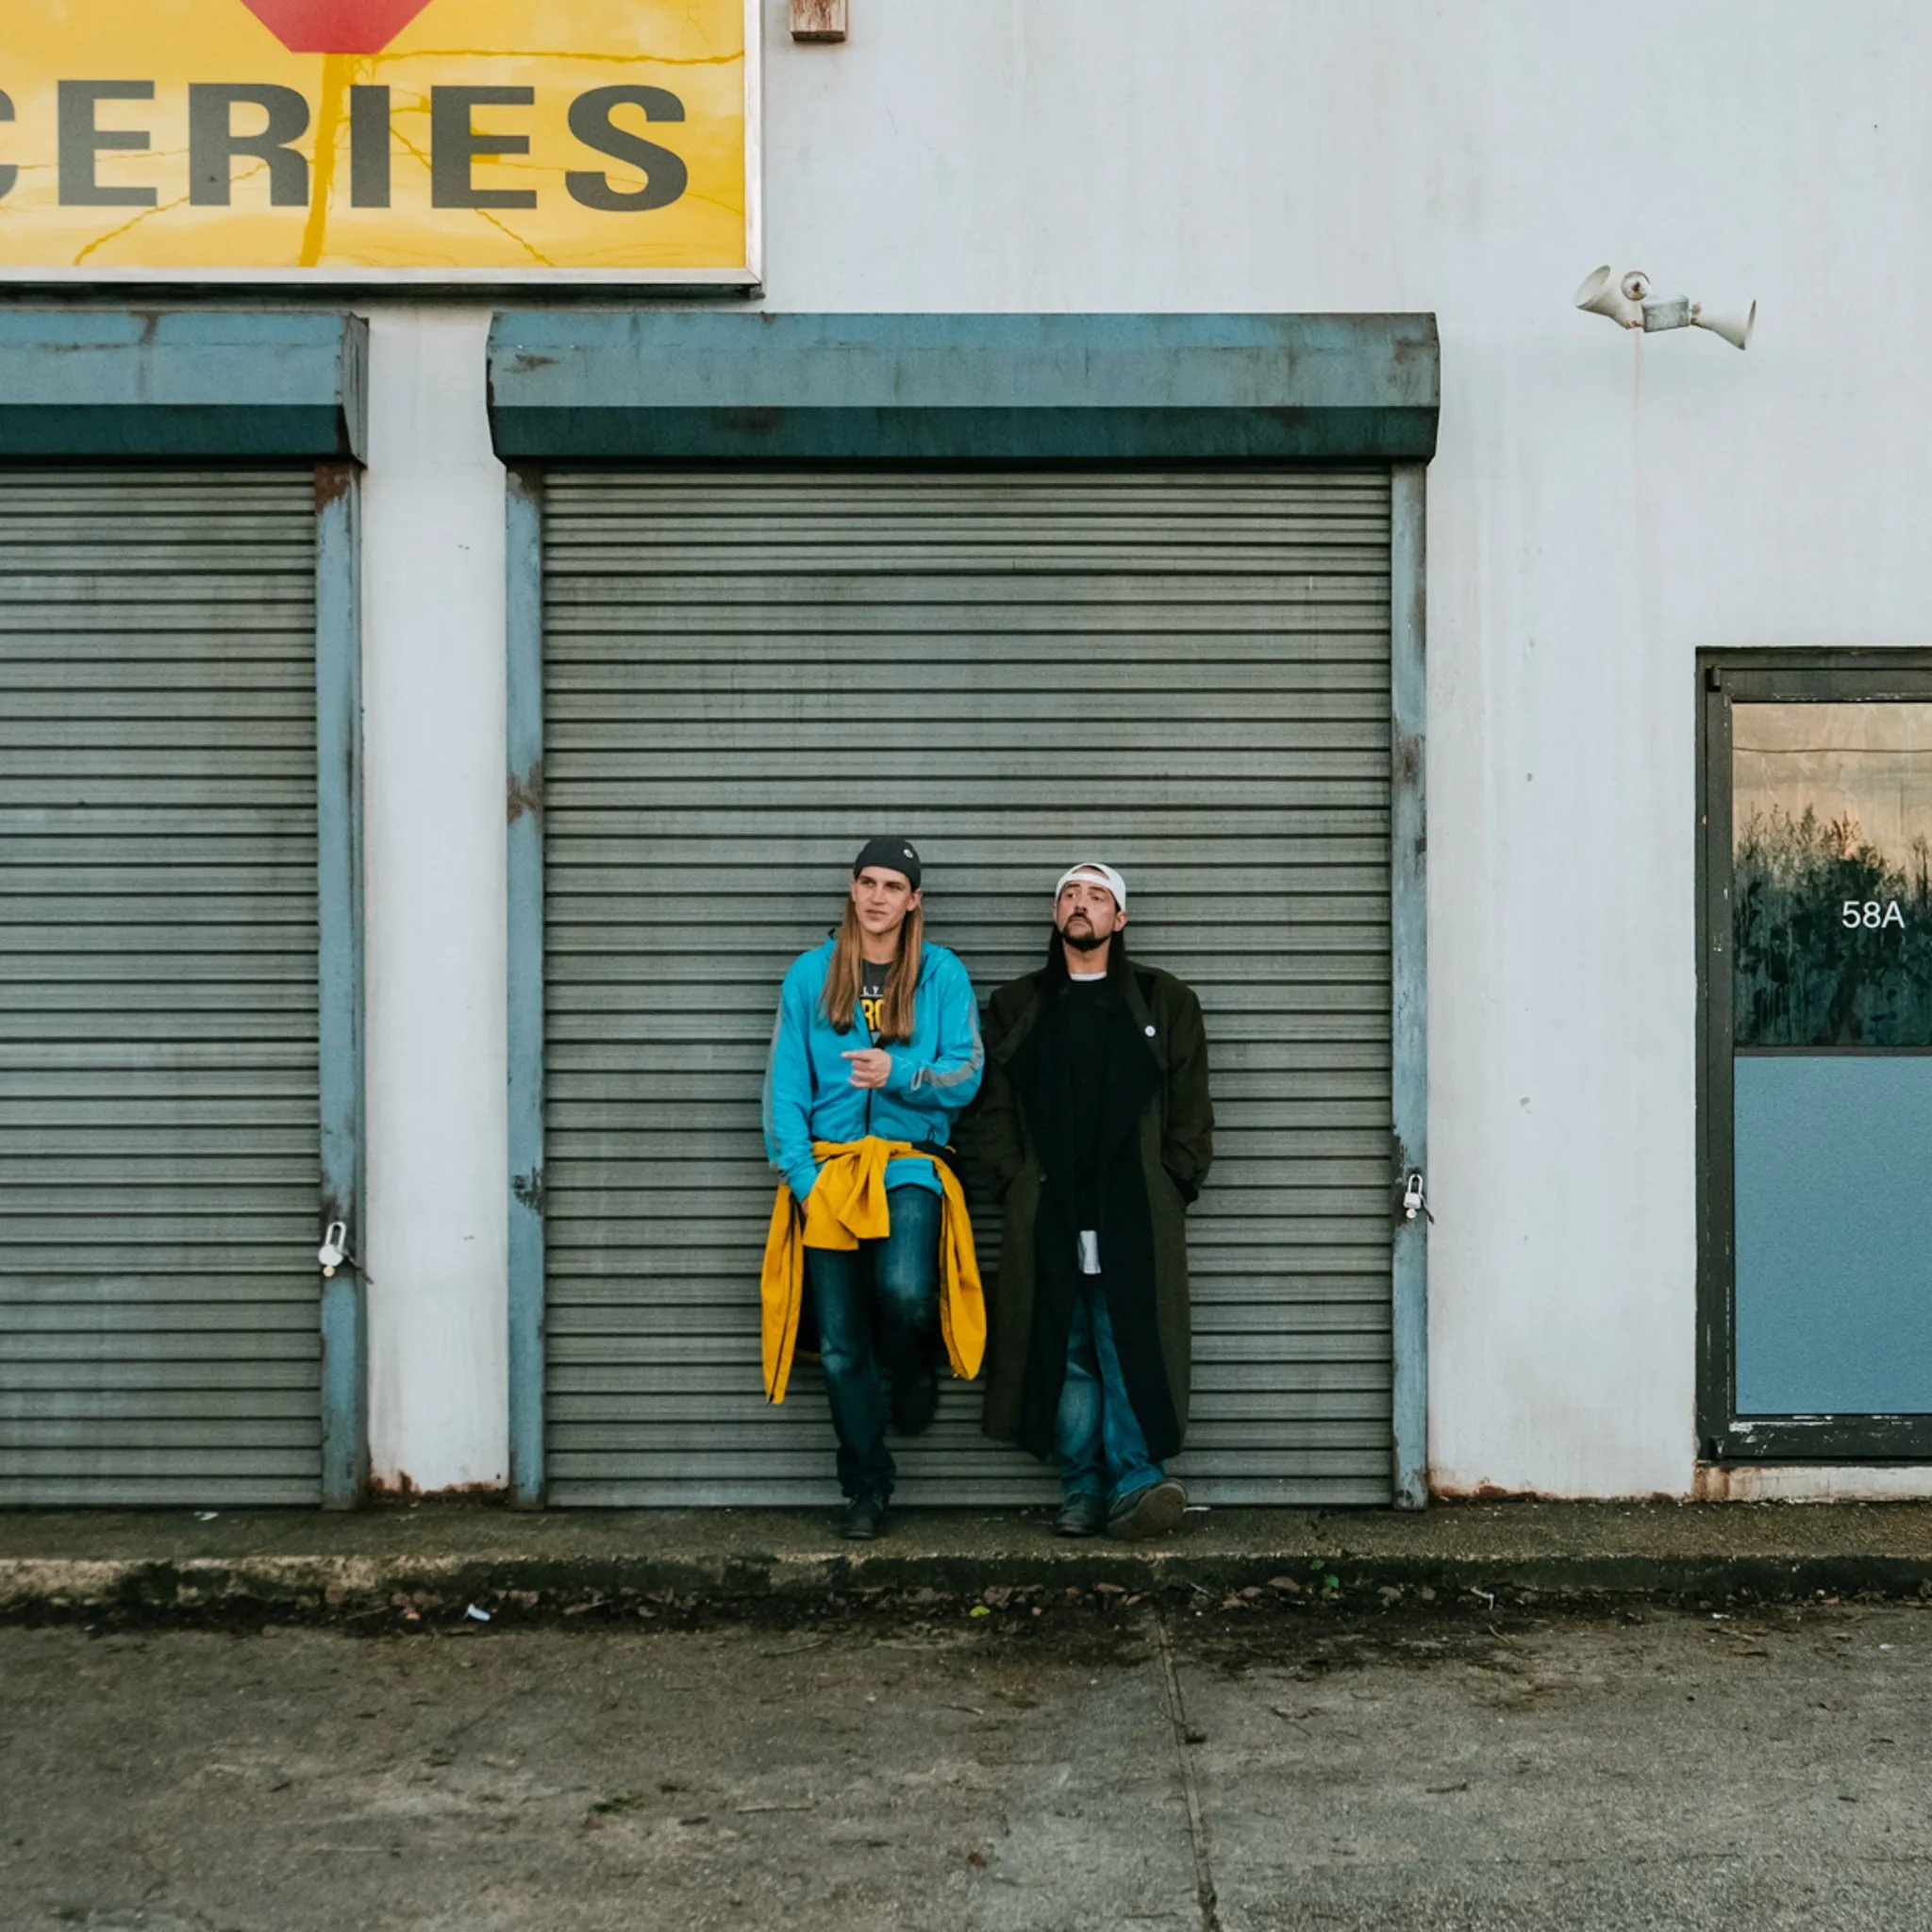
433	735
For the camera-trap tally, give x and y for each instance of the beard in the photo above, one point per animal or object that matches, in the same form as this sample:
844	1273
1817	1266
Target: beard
1088	941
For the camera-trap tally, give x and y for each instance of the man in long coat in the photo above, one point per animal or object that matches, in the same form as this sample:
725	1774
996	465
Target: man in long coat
1096	1127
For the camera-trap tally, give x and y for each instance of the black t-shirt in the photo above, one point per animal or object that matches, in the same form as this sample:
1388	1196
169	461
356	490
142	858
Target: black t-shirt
1089	1005
872	992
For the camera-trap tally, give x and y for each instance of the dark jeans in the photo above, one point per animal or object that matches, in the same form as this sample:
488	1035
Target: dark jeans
889	1287
1096	1434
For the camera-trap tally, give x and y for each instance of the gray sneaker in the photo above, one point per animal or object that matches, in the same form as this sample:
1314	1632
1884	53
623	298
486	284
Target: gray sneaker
1151	1511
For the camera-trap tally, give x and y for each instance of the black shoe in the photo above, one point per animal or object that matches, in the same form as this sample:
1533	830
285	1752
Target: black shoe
1081	1516
862	1519
915	1401
1151	1511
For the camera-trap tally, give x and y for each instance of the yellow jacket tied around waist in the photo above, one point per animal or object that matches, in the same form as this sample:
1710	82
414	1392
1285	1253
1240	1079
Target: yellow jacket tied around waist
848	1206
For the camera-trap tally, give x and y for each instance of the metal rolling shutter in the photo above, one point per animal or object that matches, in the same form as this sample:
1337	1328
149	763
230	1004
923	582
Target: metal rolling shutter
158	1129
745	675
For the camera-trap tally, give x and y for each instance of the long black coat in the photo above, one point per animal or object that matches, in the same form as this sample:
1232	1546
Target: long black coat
1157	1137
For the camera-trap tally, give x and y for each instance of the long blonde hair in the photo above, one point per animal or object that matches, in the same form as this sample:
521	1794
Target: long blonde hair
839	999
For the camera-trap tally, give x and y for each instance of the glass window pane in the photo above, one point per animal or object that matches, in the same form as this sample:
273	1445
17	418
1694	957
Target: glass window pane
1831	827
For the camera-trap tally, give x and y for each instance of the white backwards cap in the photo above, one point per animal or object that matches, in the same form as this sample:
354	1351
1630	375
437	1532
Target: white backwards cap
1097	875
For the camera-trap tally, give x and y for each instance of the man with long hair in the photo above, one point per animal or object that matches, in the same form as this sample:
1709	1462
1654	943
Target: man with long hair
876	1050
1097	1129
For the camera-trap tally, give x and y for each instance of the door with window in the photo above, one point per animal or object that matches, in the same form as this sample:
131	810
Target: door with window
1817	1115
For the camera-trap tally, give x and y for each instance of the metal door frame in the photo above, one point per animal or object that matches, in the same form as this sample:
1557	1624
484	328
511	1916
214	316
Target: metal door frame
1794	675
1092	392
215	388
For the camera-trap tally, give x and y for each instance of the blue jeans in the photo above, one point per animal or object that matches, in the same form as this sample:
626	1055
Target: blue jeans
1096	1435
891	1284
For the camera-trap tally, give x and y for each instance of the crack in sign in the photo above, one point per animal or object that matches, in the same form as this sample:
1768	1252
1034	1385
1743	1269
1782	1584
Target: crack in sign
335	26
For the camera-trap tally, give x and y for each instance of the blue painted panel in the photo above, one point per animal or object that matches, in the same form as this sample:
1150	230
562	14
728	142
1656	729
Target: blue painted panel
1834	1257
1409	915
339	908
656	385
524	862
198	383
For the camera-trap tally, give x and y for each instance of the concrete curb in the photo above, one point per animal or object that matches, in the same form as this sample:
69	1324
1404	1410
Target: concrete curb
349	1585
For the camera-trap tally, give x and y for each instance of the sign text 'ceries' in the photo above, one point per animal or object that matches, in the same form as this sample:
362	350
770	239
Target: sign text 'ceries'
219	139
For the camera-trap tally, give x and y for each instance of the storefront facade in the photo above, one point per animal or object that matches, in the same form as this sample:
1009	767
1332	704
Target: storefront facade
1105	372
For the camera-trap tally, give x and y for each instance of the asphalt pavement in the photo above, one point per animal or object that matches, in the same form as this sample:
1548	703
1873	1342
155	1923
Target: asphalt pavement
1244	1762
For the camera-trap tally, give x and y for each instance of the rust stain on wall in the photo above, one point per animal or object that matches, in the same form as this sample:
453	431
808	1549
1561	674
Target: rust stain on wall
333	481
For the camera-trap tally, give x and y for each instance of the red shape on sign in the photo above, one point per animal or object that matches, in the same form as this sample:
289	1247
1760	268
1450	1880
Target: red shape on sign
335	26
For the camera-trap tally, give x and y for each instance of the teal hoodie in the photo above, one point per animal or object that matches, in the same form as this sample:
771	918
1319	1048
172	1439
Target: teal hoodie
808	1090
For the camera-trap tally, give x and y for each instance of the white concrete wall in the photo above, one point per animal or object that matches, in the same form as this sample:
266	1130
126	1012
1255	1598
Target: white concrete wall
433	746
1600	507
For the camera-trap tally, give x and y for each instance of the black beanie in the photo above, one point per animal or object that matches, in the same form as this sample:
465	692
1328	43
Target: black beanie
892	855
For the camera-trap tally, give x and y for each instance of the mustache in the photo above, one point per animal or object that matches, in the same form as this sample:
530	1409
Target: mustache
1088	941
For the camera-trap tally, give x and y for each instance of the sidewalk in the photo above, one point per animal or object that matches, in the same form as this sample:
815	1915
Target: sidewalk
291	1563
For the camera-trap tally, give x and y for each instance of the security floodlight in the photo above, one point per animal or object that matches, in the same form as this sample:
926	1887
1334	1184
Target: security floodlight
1626	300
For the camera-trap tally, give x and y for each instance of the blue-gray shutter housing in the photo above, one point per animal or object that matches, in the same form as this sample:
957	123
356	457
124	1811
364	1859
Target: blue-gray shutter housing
1174	616
180	1074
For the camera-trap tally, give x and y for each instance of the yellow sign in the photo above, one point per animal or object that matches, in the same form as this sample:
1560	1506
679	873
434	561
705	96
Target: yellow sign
379	140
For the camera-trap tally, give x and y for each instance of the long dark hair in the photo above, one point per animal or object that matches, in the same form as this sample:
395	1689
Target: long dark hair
1056	974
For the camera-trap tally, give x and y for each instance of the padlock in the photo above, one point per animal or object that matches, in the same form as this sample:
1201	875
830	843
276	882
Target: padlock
334	1250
